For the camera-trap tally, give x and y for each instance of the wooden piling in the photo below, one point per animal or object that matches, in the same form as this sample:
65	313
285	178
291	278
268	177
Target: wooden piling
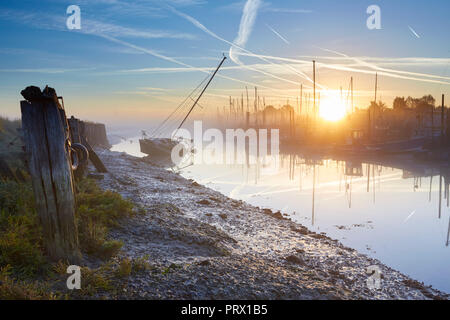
46	145
76	142
98	164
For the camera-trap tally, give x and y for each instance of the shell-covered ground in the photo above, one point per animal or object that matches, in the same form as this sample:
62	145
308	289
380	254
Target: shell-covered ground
214	247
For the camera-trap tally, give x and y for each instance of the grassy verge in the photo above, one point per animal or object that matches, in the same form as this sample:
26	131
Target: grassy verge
25	271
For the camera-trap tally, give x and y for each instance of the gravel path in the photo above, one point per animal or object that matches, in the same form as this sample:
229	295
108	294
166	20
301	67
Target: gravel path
212	247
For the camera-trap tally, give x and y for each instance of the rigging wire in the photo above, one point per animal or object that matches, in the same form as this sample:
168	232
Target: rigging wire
179	107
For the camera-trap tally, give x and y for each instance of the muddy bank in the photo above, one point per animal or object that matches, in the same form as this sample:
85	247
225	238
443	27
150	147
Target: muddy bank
203	245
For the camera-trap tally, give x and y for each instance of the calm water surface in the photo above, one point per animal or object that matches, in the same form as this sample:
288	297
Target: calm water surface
391	214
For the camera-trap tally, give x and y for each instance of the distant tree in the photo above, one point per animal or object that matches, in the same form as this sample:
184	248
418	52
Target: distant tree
411	102
429	99
425	103
400	103
378	106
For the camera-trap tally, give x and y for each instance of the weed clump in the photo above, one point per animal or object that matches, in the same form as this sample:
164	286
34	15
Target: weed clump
97	212
21	245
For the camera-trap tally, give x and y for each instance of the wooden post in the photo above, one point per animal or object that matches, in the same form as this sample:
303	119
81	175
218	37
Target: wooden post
98	164
49	162
76	141
74	130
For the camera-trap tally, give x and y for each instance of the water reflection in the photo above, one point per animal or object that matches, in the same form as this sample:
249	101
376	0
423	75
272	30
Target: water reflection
389	208
395	208
352	171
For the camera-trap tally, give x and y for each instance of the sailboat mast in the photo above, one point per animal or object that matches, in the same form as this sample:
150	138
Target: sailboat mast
203	91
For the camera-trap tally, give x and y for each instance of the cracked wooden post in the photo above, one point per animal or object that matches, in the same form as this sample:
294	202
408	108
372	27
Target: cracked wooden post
45	135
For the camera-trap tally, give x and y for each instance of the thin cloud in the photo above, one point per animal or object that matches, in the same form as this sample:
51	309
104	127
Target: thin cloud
199	25
163	57
43	70
286	10
248	18
395	73
414	32
264	7
51	22
247	22
350	69
278	34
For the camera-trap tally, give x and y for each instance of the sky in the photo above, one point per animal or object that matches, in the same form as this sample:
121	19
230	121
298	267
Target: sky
134	61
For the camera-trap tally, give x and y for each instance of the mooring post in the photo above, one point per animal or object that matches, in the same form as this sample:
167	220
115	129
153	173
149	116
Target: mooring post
82	152
98	164
47	149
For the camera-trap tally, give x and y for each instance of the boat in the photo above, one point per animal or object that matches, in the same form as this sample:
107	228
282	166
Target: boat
160	149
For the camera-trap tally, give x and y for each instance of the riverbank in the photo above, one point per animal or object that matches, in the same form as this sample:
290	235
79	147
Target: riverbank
203	245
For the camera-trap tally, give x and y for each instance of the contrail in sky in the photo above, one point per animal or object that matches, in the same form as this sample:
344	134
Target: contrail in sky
414	32
391	72
278	34
247	21
241	49
160	56
246	26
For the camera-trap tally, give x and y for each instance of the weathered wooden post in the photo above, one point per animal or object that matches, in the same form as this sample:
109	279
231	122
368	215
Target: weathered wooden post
82	153
46	144
98	164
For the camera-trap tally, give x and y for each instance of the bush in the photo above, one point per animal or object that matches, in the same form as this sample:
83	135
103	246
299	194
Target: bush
125	268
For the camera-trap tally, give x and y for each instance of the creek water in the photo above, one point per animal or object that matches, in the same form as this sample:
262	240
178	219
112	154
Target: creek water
396	213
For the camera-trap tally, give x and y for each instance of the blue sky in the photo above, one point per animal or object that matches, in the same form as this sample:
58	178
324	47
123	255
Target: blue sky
134	59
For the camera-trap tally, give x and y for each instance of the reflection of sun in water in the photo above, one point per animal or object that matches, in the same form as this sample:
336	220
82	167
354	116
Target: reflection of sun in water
332	109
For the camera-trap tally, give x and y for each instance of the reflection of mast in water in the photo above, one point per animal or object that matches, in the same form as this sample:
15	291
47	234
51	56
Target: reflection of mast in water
301	174
415	184
448	233
313	193
350	193
247	156
374	181
257	167
431	183
446	188
440	194
290	167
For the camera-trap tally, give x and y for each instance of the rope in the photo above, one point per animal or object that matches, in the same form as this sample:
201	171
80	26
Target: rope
155	132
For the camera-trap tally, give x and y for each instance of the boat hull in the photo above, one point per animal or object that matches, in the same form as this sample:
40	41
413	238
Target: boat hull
157	148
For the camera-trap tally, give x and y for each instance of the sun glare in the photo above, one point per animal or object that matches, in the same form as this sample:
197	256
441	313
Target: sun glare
332	109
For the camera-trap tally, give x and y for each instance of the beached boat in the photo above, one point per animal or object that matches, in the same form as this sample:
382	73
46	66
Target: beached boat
158	148
161	148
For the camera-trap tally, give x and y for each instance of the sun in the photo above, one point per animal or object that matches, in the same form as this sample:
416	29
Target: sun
332	109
